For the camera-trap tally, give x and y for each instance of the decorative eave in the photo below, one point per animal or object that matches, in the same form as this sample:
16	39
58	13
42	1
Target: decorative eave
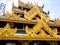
21	20
30	38
26	21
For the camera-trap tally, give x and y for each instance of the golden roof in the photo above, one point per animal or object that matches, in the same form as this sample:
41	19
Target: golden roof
30	14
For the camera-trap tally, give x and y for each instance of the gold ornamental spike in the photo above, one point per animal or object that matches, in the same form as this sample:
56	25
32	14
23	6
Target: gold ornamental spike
43	6
29	5
13	7
35	3
18	2
7	31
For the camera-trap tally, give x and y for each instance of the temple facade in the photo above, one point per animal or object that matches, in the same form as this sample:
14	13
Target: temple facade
28	24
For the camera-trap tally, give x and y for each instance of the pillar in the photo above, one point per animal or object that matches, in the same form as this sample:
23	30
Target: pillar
35	43
53	43
25	43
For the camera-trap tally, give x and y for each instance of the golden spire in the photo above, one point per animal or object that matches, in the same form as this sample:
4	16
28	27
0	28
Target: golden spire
28	2
13	4
31	3
13	7
43	6
18	3
48	12
35	3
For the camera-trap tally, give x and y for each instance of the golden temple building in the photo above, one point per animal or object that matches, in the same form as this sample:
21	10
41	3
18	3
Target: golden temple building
28	25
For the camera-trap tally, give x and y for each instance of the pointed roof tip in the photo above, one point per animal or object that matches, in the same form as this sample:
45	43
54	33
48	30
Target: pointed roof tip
31	2
43	6
36	3
7	12
18	1
57	18
28	2
12	4
48	12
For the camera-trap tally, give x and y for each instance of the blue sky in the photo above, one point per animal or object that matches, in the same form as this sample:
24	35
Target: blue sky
49	5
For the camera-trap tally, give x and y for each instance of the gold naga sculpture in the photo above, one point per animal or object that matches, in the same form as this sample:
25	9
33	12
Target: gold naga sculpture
12	16
42	26
40	30
7	31
36	30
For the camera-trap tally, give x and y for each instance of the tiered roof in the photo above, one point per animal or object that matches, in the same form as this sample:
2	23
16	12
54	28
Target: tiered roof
32	20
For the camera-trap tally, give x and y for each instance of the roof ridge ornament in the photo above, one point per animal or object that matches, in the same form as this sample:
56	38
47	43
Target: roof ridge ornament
43	6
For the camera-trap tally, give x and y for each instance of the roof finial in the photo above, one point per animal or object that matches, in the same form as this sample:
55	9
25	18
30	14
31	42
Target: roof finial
12	5
31	3
48	12
43	6
28	2
35	3
18	2
57	18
